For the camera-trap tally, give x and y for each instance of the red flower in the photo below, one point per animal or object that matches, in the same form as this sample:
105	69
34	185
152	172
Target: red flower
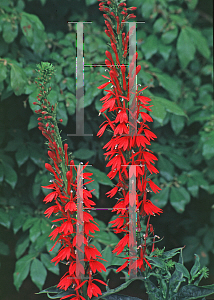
148	208
122	243
123	149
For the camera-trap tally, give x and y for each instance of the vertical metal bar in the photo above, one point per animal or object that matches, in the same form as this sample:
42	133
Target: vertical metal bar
80	225
132	81
132	223
80	84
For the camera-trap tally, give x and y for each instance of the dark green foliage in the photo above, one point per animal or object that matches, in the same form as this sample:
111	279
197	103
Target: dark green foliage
175	51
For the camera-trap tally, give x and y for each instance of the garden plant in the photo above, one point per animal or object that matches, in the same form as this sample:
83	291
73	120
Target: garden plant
71	233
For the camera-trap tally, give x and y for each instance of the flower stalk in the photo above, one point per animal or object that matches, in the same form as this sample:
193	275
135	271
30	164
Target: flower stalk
125	150
67	186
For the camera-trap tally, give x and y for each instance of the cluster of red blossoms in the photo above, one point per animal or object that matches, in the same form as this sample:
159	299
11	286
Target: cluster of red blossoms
64	197
125	149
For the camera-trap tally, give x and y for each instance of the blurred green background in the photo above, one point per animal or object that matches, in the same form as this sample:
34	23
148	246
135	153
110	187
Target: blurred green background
175	51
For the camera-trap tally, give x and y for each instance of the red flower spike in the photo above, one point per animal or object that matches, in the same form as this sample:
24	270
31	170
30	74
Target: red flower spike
138	68
122	4
131	16
103	85
112	14
115	52
109	56
108	63
108	33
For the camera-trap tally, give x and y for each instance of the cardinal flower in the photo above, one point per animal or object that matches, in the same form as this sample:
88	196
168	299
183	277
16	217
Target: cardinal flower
127	150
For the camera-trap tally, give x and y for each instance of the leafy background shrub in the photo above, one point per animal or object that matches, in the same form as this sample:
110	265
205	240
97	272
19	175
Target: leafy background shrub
175	51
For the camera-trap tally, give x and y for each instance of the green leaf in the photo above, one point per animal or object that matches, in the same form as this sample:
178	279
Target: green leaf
199	41
49	245
147	8
180	161
32	98
38	273
3	71
150	46
10	175
164	50
36	154
96	244
114	239
158	111
83	153
39	244
35	231
51	289
145	77
45	226
21	245
102	237
4	218
177	123
94	185
169	84
179	197
58	292
192	244
194	292
112	292
192	3
181	268
18	222
70	100
53	97
22	269
160	199
192	187
185	48
10	31
169	106
90	2
100	176
62	113
171	253
18	79
28	223
22	155
207	70
175	280
4	249
159	25
208	146
170	35
196	266
46	259
166	168
32	122
26	26
107	254
157	262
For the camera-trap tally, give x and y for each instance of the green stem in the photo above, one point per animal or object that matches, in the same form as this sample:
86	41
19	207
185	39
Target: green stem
148	289
85	295
62	164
